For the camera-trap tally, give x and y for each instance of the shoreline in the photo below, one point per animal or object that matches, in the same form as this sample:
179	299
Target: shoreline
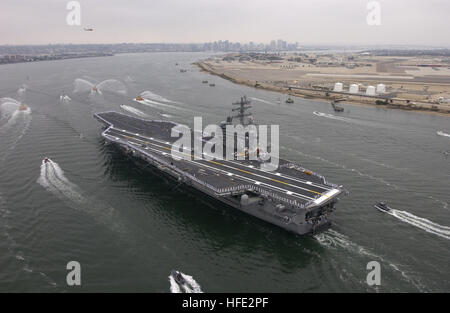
316	94
58	57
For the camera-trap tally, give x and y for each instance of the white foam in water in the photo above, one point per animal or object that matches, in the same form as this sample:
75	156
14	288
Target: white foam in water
52	178
333	239
152	96
134	110
174	287
12	120
13	130
331	116
191	286
7	99
441	133
8	106
262	100
158	105
7	109
422	223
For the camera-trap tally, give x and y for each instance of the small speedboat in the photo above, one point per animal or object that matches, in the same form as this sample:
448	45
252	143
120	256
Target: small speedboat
46	160
382	206
178	277
139	98
289	100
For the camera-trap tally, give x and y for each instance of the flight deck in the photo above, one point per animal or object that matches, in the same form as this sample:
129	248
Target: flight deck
290	183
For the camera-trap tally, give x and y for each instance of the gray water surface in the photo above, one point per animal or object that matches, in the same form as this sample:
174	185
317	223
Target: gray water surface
129	227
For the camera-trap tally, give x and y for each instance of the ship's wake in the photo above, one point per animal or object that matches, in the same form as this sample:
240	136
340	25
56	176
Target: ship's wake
422	223
335	240
333	117
262	100
52	178
158	105
153	96
7	107
442	134
190	285
134	111
16	126
109	85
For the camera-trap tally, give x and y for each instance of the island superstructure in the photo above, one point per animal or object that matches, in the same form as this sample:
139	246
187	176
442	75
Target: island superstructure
291	197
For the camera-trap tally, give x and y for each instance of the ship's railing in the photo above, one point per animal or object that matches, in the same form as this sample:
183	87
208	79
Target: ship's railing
277	197
234	189
266	193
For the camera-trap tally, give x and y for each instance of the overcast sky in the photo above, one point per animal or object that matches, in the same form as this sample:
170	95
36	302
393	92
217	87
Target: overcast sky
410	22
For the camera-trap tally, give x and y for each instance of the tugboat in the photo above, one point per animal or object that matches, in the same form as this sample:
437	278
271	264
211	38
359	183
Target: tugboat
23	107
382	206
289	100
336	108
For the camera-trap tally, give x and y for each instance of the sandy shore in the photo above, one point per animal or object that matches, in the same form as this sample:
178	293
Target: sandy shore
254	80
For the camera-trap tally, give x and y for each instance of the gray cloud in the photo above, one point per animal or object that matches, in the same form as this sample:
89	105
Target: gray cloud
314	21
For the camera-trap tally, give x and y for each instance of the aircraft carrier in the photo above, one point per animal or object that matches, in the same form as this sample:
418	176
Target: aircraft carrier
291	197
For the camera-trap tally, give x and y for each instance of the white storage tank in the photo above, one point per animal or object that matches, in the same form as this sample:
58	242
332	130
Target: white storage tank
338	87
381	88
370	91
354	88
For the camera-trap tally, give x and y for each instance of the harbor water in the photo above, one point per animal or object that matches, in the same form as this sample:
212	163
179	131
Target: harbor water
129	227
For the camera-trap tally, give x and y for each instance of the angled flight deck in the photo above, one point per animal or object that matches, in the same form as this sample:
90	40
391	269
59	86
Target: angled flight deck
291	197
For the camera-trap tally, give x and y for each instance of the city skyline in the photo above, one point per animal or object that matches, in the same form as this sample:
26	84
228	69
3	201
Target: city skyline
307	22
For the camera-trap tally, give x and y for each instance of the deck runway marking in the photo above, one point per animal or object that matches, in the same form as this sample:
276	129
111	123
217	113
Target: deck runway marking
321	186
297	195
234	168
304	197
